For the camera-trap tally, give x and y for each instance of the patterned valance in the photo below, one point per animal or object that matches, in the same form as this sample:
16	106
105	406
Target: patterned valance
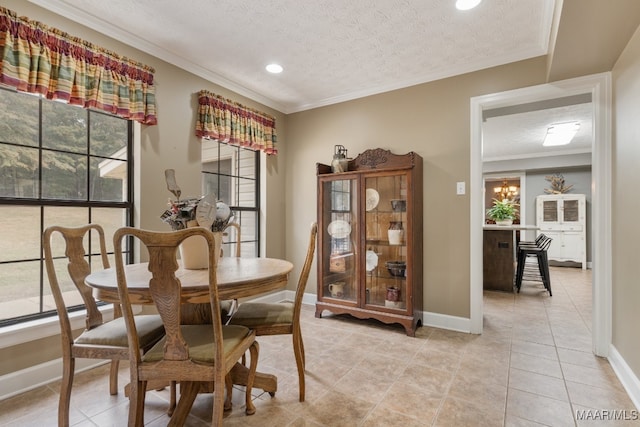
38	59
227	121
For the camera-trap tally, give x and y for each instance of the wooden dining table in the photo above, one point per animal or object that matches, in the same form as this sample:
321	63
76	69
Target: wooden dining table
237	278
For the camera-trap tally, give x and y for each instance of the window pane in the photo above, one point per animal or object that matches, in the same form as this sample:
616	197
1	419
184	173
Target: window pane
108	179
247	164
21	226
20	171
110	219
65	216
70	293
246	192
64	176
64	127
19	289
222	166
109	136
19	112
248	232
220	185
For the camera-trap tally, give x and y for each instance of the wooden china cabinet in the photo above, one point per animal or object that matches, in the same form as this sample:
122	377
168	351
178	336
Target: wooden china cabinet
370	238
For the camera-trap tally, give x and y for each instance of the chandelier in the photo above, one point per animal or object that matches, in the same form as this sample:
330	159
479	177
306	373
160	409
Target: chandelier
506	191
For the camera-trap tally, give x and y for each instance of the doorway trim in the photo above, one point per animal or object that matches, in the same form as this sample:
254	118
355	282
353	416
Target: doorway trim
599	86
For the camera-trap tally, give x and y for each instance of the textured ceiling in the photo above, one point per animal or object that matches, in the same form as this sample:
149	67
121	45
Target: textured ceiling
519	135
331	50
337	50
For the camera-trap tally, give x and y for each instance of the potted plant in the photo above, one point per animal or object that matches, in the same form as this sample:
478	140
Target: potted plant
503	212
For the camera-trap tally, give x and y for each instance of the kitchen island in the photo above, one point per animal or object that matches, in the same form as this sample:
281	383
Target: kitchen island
499	255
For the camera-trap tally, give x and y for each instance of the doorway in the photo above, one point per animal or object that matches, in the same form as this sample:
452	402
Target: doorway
599	86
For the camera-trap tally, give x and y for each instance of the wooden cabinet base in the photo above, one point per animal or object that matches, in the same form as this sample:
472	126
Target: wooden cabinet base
410	323
498	260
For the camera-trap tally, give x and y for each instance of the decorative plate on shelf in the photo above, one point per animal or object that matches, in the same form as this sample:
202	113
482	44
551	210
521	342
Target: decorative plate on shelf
372	260
339	229
371	198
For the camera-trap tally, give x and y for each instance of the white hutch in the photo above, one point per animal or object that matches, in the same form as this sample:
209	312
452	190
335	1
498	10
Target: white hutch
562	217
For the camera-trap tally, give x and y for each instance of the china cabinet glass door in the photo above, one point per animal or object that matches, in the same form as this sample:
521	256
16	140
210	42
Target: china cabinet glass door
339	280
386	241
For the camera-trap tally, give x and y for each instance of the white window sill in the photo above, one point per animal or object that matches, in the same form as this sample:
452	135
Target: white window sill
43	328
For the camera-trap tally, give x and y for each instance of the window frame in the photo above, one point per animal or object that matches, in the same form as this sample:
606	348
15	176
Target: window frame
127	205
235	179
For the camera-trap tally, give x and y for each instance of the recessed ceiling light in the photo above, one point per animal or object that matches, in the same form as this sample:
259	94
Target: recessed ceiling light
560	133
467	4
274	68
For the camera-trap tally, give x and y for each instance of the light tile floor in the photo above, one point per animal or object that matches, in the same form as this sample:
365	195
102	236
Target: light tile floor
532	366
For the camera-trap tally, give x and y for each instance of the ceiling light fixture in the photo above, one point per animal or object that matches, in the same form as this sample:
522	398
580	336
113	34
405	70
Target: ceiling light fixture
560	133
506	191
467	4
274	68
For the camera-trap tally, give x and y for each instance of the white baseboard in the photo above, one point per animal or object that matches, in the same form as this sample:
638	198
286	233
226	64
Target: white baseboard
35	376
444	321
626	376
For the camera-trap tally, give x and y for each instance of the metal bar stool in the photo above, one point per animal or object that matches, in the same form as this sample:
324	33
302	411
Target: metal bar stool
537	250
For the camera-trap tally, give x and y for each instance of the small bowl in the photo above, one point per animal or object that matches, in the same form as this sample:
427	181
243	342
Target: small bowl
399	205
396	268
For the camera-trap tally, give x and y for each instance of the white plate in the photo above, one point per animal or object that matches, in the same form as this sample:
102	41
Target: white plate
372	260
339	229
371	198
206	211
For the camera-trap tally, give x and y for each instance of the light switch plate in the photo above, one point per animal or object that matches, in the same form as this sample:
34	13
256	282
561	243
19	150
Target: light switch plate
460	188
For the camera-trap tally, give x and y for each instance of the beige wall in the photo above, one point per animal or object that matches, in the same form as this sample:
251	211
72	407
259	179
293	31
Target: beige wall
626	204
170	144
431	119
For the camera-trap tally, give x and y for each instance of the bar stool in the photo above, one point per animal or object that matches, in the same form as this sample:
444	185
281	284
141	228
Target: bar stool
537	250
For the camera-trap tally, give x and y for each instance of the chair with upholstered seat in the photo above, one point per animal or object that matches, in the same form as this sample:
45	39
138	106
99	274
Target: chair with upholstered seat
100	339
192	354
282	318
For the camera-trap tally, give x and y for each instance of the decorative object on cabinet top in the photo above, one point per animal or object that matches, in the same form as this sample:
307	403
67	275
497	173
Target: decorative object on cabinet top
340	162
557	184
379	158
376	159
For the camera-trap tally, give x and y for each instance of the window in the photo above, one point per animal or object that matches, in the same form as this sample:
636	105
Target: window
232	174
59	164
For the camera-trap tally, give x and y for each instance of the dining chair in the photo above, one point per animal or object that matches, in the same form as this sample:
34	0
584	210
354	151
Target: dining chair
539	272
282	318
236	227
100	339
190	354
